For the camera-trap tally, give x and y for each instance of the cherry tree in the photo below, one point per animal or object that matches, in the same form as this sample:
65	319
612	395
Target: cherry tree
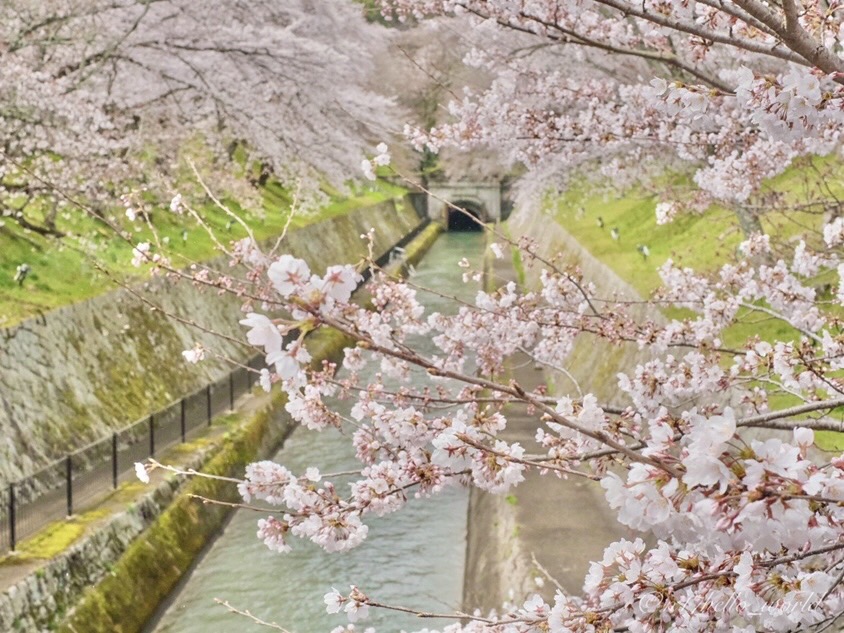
92	88
738	90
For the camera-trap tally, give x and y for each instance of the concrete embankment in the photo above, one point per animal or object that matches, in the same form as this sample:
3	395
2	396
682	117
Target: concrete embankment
547	525
78	373
114	577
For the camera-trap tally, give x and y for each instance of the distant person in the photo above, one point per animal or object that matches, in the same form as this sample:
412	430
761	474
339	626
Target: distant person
21	273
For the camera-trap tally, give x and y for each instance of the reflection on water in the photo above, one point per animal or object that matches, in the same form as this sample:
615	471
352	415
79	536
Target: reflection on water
411	558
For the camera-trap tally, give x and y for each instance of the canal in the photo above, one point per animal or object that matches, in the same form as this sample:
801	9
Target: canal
411	558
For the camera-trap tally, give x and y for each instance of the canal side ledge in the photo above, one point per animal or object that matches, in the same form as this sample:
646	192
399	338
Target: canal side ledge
108	570
545	525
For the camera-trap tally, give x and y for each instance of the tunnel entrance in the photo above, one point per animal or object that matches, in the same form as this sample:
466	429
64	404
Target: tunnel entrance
471	220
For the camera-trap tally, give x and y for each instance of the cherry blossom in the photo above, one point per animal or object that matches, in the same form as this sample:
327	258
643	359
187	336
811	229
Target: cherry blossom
263	333
195	354
265	379
271	531
339	282
288	274
141	473
101	83
287	361
140	254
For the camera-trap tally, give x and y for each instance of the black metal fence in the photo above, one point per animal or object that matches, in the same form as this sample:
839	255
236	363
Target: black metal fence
79	480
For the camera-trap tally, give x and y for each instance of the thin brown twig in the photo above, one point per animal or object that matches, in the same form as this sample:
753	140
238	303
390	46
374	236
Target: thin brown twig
245	613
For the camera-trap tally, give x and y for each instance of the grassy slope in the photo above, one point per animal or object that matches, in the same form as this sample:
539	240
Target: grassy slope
702	242
62	273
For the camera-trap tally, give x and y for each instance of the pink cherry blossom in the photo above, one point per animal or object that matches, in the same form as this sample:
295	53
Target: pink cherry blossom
263	332
339	282
140	254
288	274
195	354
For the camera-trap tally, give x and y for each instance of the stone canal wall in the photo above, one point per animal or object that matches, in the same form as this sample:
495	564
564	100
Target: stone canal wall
78	373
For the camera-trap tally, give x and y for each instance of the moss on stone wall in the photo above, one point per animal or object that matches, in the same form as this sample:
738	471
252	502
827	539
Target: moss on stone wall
415	250
55	538
154	563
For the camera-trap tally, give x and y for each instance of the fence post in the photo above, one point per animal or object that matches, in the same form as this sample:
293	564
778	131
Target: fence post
152	435
208	398
13	537
182	421
114	466
69	476
231	391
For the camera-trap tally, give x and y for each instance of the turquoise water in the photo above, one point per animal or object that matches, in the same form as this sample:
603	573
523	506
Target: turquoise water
412	558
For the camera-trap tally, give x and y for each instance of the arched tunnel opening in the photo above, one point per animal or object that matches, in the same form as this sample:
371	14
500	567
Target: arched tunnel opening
468	217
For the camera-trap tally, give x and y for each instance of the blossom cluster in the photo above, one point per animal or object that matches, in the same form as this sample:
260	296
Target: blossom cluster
726	90
89	87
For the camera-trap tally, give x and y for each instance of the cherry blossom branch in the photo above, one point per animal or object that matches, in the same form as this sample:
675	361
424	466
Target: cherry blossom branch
793	36
771	416
235	505
170	314
432	615
570	36
247	614
219	204
514	390
457	401
545	465
546	573
671	22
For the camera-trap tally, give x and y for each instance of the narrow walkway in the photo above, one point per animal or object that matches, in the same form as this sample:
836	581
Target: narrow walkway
37	550
563	523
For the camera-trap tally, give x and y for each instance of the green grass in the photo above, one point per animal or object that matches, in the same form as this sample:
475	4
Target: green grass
689	240
68	270
516	255
702	242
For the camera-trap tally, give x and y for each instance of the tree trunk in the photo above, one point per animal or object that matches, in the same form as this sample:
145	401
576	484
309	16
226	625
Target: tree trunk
749	221
37	228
